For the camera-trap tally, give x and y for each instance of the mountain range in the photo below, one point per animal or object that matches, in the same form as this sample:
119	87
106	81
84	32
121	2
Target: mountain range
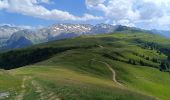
15	37
165	33
5	33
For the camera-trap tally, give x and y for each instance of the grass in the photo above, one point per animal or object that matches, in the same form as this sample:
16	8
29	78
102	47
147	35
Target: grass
146	79
70	84
74	74
9	84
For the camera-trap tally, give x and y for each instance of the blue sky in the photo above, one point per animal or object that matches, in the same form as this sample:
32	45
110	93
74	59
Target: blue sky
77	8
147	14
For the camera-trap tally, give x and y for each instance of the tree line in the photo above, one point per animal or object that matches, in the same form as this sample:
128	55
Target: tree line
18	58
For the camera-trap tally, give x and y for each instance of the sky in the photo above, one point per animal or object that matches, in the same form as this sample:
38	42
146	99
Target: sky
146	14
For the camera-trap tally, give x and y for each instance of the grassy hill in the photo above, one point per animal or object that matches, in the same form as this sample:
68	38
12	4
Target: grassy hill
118	66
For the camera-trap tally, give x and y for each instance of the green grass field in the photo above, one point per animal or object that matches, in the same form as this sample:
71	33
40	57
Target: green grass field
79	74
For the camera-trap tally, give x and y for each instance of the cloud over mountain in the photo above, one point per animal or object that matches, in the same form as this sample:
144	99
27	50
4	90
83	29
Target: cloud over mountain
148	14
36	9
134	12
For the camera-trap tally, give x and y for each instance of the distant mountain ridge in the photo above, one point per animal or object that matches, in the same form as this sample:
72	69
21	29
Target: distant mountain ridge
5	33
165	33
54	32
16	37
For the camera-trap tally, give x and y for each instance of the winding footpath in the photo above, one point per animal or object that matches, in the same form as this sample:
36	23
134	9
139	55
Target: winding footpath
112	70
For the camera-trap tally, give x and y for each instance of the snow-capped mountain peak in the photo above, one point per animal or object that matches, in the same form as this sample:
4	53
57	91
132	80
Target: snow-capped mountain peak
54	32
78	29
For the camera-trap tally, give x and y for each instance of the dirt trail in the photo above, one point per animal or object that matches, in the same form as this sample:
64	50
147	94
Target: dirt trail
112	70
113	73
21	95
52	96
39	90
43	95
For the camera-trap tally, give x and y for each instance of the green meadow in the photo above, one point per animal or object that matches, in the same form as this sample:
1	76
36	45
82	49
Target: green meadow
83	68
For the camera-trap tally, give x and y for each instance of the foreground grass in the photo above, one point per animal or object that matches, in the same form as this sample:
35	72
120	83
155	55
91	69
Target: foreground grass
71	85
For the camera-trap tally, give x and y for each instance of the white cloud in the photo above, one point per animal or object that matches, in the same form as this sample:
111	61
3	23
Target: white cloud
45	1
35	9
150	13
19	26
3	4
140	13
92	3
115	11
124	22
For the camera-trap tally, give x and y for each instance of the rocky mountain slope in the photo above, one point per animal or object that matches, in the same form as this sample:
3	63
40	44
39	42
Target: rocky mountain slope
5	33
15	35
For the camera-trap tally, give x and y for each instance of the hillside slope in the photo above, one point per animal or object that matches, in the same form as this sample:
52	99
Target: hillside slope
119	66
